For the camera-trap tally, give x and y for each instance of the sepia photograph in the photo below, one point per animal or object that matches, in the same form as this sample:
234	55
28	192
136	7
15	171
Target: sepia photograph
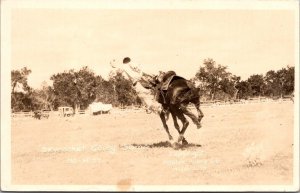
183	95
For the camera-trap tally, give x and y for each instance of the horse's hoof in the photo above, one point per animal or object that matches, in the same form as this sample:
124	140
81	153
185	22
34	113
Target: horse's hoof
175	145
170	138
184	142
199	126
180	138
199	119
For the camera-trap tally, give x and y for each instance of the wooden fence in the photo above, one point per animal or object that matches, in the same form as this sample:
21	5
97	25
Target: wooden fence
22	114
191	106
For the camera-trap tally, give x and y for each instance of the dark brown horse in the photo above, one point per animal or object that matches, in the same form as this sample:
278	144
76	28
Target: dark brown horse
174	96
175	99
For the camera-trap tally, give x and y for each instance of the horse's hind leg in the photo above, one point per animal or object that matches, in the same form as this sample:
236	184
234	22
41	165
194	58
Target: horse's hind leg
163	120
196	102
186	111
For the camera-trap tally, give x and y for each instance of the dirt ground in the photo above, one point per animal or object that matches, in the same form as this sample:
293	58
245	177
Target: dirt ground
241	144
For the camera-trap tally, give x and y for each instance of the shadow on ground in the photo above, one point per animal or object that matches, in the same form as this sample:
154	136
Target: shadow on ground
165	144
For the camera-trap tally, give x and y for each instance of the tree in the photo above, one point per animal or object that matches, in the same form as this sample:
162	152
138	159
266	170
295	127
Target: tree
289	85
44	98
280	82
20	76
216	79
85	83
21	100
257	84
236	80
105	91
244	89
228	85
286	79
76	89
123	90
272	84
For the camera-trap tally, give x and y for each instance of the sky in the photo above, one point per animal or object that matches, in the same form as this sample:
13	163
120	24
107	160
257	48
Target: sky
49	41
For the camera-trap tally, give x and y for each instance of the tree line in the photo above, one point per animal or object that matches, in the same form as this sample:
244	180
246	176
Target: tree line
72	88
217	83
80	88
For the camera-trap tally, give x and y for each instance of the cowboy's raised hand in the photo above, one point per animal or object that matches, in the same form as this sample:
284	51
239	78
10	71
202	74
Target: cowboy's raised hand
113	64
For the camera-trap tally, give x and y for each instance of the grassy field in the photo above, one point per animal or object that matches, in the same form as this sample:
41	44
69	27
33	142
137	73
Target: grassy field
240	144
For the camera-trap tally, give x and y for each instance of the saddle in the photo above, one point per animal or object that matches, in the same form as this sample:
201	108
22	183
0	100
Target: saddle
167	78
165	84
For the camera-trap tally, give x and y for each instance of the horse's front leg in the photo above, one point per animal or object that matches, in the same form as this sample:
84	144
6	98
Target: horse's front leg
176	125
163	120
185	124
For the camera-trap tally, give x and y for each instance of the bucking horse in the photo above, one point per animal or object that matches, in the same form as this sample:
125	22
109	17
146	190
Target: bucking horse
173	95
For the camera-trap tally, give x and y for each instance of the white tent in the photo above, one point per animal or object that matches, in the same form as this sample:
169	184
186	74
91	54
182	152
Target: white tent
99	107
